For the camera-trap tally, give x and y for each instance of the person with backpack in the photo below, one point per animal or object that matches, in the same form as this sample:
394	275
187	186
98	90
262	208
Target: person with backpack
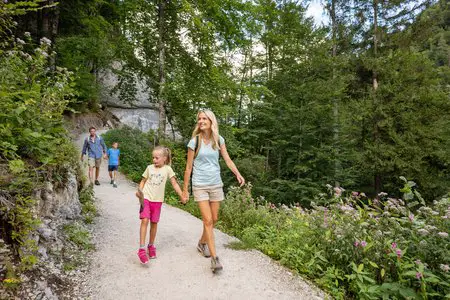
95	148
207	186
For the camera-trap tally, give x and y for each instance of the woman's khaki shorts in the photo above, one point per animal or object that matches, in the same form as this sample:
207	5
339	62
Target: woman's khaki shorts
208	193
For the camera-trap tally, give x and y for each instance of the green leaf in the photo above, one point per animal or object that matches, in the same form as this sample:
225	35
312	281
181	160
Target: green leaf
16	166
373	264
360	268
383	272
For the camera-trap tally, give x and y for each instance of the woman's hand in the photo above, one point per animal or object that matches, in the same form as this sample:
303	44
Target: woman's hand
240	179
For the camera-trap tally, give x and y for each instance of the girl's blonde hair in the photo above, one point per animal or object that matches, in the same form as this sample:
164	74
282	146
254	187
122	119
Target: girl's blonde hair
165	152
214	127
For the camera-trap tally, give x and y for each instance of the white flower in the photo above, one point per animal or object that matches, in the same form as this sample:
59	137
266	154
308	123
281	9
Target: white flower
444	268
443	234
27	34
423	231
20	41
45	41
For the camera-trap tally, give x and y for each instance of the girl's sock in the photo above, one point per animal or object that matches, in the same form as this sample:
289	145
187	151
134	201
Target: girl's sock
150	244
141	246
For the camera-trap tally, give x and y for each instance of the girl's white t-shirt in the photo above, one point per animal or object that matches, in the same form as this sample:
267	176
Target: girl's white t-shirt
155	185
206	169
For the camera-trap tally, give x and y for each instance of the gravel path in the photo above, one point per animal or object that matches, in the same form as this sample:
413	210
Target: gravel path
179	272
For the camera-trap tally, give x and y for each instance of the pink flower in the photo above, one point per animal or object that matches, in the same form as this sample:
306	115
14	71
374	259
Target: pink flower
444	268
399	253
356	243
337	191
394	245
355	194
418	262
363	244
411	217
419	275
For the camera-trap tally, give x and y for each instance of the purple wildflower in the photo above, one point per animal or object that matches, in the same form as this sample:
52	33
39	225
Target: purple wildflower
419	275
394	245
356	243
411	217
399	253
363	244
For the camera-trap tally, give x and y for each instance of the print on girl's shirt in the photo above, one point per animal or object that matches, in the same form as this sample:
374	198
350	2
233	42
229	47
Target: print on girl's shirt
156	179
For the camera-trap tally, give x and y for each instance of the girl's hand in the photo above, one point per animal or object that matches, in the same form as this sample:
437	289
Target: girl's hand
240	179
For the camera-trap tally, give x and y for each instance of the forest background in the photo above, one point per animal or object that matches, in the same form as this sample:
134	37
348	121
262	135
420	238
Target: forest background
360	104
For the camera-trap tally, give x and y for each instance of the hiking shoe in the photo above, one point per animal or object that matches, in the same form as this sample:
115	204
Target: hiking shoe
112	182
215	264
203	249
152	251
142	256
114	185
97	183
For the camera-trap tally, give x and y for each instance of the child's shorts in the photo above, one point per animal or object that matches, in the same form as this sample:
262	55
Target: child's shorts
213	193
150	210
112	168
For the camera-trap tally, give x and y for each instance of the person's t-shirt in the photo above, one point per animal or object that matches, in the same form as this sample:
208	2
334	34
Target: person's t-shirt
206	169
156	182
113	155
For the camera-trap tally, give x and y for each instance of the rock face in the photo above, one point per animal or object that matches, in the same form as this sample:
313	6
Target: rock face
141	114
59	202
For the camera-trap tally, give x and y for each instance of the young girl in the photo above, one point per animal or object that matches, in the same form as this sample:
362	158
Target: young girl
203	160
151	195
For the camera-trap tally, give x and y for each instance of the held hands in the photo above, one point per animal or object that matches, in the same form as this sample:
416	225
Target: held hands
184	197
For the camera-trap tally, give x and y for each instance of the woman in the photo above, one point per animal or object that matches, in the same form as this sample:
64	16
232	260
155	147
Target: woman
207	185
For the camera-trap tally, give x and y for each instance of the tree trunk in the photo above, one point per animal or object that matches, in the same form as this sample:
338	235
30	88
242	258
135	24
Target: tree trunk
241	93
161	64
376	133
337	163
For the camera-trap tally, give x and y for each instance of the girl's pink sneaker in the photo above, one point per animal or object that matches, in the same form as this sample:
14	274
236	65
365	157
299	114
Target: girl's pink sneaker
152	251
142	256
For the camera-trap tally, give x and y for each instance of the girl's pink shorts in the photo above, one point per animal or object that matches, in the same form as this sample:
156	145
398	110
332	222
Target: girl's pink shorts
150	210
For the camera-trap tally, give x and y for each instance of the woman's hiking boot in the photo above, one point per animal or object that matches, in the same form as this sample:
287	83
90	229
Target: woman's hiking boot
216	266
203	249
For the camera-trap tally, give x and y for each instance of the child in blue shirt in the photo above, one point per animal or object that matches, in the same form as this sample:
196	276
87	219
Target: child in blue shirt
113	162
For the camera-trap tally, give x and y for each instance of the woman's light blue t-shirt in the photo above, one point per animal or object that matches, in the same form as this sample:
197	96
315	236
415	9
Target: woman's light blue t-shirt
206	165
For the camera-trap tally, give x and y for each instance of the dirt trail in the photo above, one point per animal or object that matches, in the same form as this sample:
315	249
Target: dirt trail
179	272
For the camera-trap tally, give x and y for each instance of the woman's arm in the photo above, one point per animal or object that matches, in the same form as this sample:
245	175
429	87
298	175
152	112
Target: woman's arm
188	172
231	165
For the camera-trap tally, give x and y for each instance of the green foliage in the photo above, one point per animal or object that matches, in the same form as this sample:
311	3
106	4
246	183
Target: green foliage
357	247
88	208
23	225
79	235
33	100
135	150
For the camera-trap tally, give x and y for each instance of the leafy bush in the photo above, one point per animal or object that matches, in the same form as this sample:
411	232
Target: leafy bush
134	147
354	247
78	235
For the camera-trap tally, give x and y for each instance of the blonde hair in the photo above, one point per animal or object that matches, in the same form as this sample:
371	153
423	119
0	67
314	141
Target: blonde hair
165	152
214	127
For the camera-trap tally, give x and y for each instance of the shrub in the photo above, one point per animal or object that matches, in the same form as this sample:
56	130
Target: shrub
354	247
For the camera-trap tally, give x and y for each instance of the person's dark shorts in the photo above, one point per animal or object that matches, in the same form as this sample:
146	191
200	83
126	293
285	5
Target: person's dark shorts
113	168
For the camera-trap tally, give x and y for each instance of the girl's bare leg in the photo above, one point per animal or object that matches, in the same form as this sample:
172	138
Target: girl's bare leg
143	231
153	230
